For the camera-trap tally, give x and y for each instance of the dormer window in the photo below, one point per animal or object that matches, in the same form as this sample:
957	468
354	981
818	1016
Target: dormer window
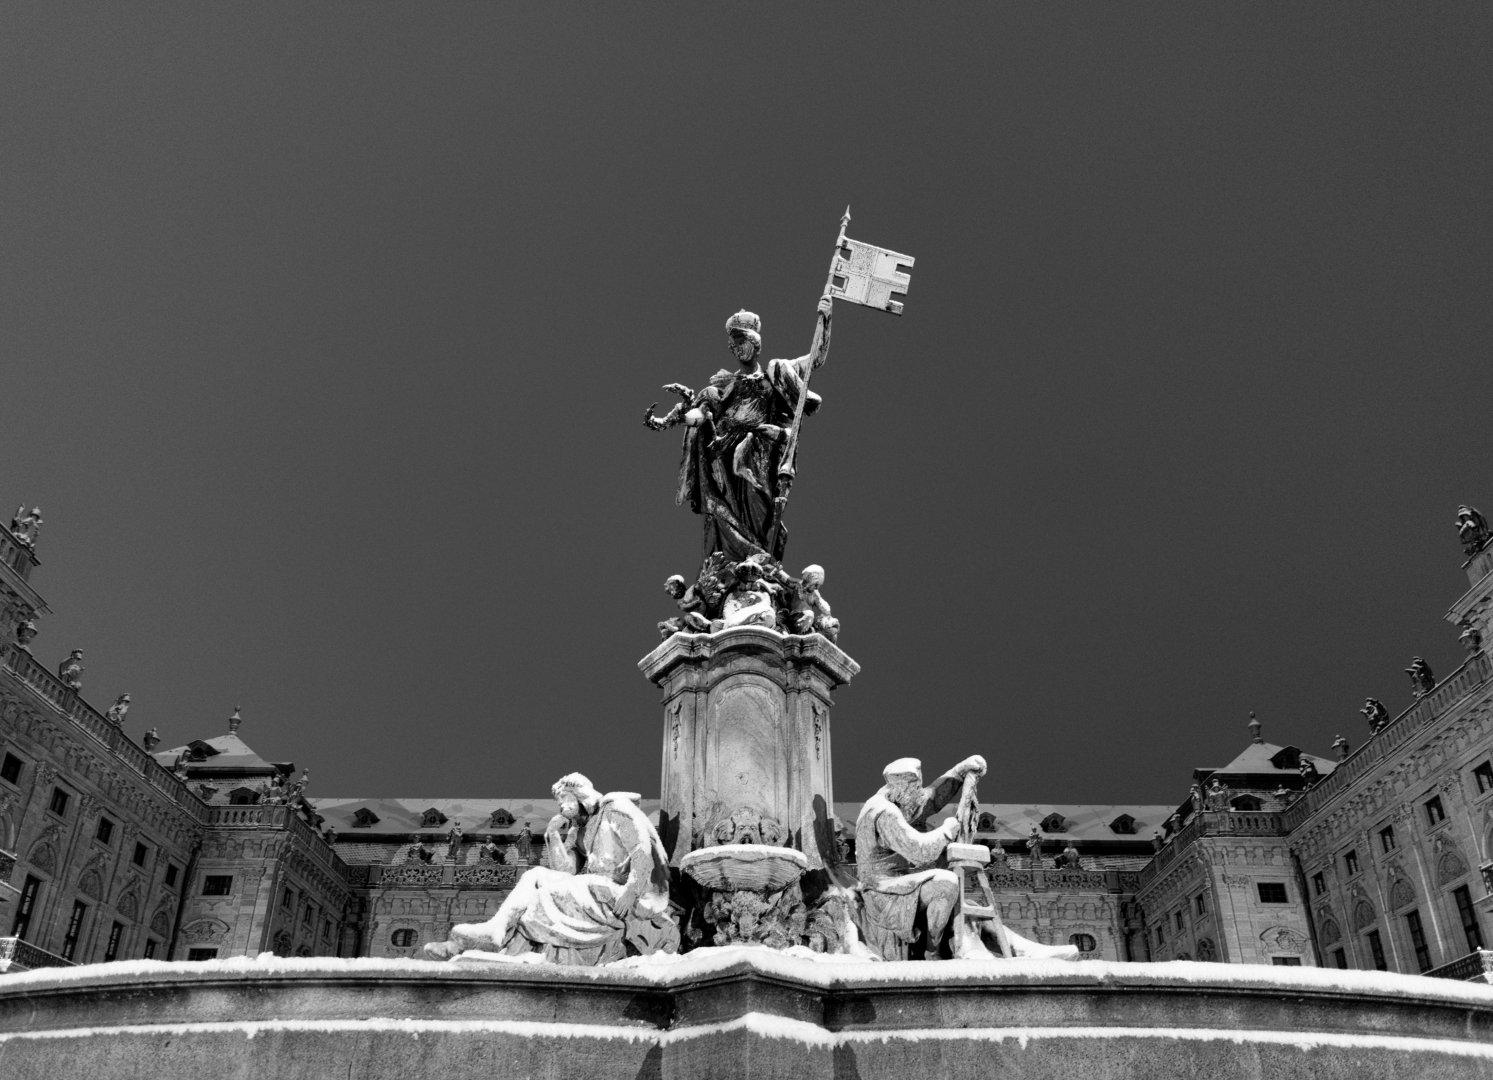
364	818
1054	822
986	822
1124	824
200	751
242	796
432	819
1287	757
1246	802
501	819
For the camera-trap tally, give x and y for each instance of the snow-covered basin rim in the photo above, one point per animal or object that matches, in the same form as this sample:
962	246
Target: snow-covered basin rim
706	966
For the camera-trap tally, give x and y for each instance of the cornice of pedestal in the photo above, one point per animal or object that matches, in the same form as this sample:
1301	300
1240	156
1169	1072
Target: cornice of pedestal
792	649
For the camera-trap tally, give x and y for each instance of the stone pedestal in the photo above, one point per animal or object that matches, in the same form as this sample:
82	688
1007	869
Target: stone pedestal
746	728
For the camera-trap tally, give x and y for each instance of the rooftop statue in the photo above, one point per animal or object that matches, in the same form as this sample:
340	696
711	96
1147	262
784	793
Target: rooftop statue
25	527
1472	530
602	893
1421	678
70	671
1375	713
119	710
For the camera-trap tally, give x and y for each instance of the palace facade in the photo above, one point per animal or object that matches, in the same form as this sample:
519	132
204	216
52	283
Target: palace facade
112	848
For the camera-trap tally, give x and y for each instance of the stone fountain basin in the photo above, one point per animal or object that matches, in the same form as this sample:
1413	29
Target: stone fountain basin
757	867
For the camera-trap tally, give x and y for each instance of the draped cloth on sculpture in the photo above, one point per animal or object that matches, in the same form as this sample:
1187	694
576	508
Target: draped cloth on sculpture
729	472
568	903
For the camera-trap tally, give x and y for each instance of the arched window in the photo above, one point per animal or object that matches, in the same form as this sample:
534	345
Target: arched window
402	939
1085	942
1054	822
1246	802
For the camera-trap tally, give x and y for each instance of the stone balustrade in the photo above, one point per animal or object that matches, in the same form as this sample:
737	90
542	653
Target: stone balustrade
66	701
18	955
1476	966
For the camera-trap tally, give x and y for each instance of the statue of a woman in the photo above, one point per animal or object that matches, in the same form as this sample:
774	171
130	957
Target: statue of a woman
739	446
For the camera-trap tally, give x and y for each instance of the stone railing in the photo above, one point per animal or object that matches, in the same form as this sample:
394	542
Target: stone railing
1476	966
1018	879
278	816
1448	692
1213	823
18	955
66	700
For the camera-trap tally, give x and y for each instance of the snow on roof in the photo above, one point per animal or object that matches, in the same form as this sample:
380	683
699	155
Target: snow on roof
398	816
232	755
1263	758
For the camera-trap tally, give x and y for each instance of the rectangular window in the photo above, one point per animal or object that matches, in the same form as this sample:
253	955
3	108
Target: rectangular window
1160	934
1339	958
150	948
172	873
1468	914
10	771
1350	863
23	909
141	854
1319	884
112	949
217	885
74	929
105	831
1201	903
1387	838
1286	961
1418	941
201	954
1181	923
1435	815
58	805
1272	892
1483	774
326	929
287	898
308	914
1376	950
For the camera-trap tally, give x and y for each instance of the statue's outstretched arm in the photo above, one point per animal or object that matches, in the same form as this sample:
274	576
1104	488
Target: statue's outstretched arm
819	348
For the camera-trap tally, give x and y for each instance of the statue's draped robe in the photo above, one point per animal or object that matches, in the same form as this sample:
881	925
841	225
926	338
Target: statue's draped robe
895	858
730	471
569	899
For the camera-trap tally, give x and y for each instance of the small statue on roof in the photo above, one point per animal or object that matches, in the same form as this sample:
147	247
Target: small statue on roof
1375	713
70	671
1069	858
25	527
118	710
1472	530
525	845
1421	679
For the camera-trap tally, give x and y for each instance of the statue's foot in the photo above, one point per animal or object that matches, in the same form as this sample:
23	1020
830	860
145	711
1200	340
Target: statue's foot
439	950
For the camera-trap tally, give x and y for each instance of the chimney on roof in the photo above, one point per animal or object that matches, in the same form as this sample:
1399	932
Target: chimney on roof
1254	728
235	720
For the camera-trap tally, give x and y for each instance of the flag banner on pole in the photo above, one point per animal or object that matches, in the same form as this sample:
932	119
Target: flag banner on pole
870	275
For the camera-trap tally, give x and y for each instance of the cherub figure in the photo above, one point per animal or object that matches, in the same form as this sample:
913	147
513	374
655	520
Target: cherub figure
810	613
693	619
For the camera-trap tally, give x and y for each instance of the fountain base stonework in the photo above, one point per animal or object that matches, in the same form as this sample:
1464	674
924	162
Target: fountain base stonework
737	1012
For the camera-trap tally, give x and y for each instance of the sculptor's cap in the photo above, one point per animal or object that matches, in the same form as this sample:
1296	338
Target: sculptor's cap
904	766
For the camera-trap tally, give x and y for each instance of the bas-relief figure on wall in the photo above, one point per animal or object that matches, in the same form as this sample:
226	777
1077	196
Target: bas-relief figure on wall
601	894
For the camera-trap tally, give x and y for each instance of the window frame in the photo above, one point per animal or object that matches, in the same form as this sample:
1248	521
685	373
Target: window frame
1435	811
14	777
57	804
1260	887
217	885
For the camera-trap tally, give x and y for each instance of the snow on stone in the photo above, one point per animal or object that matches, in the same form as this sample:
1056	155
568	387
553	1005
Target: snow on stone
800	965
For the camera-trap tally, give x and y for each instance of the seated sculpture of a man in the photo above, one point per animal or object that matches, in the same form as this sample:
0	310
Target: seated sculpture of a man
601	893
908	903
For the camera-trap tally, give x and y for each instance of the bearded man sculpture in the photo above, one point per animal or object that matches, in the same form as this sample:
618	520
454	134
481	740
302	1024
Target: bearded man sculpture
602	892
738	455
908	904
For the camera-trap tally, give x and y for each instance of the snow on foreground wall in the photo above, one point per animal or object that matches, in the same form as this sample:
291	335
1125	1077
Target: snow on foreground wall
809	969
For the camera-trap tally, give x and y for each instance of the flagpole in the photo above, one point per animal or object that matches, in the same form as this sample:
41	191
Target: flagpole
788	462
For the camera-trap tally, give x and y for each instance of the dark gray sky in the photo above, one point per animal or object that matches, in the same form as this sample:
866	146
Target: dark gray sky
326	331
